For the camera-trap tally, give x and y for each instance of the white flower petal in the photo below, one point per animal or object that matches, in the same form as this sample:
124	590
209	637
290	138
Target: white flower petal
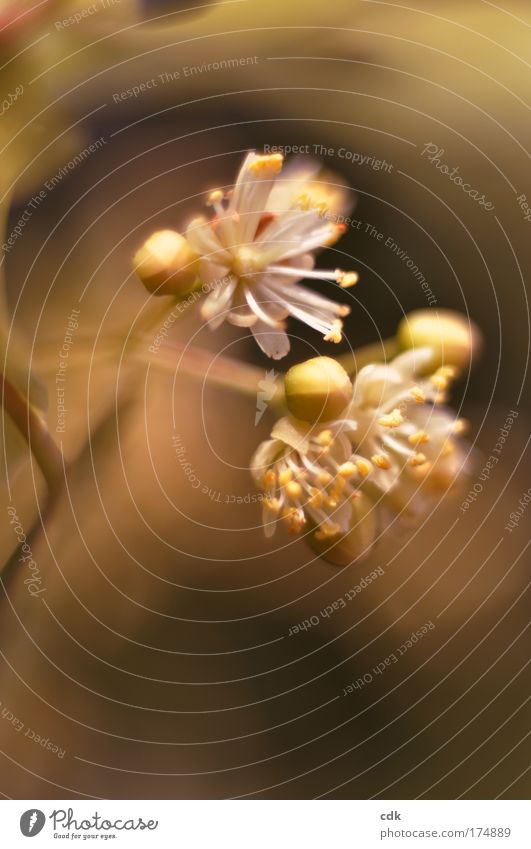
274	343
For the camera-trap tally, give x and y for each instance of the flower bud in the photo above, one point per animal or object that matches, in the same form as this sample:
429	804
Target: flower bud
453	338
317	390
356	544
166	264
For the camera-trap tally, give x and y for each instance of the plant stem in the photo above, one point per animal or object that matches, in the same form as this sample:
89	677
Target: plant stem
198	363
34	431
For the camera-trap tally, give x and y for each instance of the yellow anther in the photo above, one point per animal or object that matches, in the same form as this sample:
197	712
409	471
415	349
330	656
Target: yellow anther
294	518
327	530
346	278
364	467
285	476
418	438
418	459
335	233
347	469
459	426
270	479
326	437
215	197
293	490
447	371
316	497
439	381
381	460
418	395
393	419
447	448
343	310
335	334
273	504
339	485
323	478
331	503
267	165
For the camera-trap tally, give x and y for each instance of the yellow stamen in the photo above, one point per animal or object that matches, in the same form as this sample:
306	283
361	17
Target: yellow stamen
418	395
347	469
418	459
215	197
346	278
294	519
293	490
267	165
285	476
393	419
323	478
418	438
316	497
326	437
381	460
439	381
447	371
459	426
327	530
364	467
335	333
270	479
273	504
335	233
447	448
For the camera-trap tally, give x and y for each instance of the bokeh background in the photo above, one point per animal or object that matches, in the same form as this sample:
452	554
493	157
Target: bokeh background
158	657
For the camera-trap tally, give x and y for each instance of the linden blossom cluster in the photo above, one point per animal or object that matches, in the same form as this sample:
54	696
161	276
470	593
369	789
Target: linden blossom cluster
259	244
349	459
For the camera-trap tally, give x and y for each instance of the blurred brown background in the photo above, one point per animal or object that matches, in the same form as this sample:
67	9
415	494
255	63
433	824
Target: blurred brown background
158	657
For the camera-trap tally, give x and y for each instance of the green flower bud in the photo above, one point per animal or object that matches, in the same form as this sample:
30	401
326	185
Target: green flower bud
356	543
453	338
317	390
166	264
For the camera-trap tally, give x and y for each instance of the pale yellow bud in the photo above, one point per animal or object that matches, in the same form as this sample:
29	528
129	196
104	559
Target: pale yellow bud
454	338
356	543
166	264
317	390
